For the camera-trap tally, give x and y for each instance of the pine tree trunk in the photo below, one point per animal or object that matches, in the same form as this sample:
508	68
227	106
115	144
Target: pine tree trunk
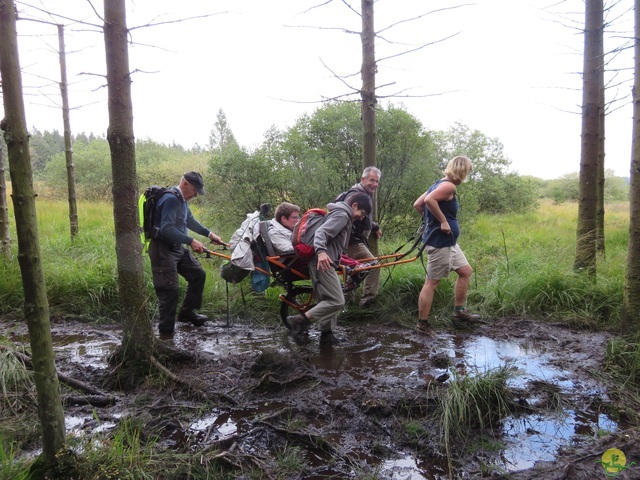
5	234
600	210
585	257
137	342
36	306
68	151
631	304
369	101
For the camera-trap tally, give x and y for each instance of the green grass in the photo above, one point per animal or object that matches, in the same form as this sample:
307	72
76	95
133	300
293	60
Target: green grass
471	402
123	455
523	266
81	275
290	462
623	356
12	467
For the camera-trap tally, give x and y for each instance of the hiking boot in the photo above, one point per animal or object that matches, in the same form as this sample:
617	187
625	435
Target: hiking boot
299	328
464	314
367	302
196	319
424	327
329	339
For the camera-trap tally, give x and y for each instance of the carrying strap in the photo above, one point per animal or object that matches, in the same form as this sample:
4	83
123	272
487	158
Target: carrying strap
264	233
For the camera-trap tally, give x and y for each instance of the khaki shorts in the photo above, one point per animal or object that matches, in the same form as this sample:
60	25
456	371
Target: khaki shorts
442	261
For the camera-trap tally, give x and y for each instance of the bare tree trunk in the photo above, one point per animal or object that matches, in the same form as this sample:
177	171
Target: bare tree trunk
5	235
68	151
630	322
36	306
585	258
137	342
369	101
600	211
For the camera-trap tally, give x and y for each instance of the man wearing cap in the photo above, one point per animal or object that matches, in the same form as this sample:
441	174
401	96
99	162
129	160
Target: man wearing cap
169	257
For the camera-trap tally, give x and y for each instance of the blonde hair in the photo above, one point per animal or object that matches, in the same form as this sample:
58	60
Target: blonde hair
458	168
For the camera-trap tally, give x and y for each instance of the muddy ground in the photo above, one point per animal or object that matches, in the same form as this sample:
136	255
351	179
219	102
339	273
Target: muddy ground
363	408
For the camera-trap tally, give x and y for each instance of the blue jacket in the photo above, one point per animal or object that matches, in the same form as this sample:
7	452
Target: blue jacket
176	218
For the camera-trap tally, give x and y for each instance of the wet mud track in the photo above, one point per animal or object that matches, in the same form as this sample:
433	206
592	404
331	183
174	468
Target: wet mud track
360	409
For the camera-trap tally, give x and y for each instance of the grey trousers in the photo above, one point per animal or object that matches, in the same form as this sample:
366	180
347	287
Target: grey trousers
371	283
327	291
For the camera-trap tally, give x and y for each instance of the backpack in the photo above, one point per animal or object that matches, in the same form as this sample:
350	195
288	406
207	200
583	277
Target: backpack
343	196
146	209
232	273
304	230
245	254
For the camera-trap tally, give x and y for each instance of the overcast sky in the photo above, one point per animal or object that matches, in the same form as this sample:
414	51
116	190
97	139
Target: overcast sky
508	68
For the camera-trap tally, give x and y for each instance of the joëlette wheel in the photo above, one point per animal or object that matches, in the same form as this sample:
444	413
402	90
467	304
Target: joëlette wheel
297	299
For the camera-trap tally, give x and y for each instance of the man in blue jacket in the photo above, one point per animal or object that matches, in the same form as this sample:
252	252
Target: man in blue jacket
170	258
330	241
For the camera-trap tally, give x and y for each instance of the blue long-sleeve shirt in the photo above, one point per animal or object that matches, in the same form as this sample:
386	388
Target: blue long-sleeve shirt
176	218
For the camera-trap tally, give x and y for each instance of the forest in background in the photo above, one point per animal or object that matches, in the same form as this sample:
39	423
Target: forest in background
324	147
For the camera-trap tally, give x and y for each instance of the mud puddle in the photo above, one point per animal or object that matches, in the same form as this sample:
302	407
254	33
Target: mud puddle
347	391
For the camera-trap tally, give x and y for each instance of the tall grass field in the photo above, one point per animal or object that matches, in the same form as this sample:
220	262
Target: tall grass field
523	267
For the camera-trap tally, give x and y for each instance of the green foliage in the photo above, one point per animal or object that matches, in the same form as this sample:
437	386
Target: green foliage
319	157
221	136
405	154
43	146
323	152
508	193
92	171
616	189
234	175
563	189
567	188
308	164
490	187
157	164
